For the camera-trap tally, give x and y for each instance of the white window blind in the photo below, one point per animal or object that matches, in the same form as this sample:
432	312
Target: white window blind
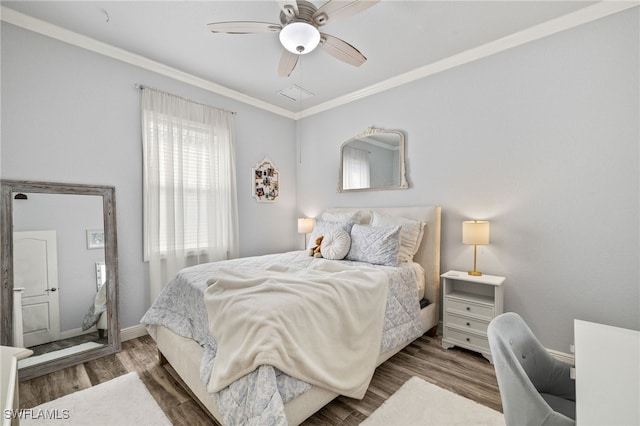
190	205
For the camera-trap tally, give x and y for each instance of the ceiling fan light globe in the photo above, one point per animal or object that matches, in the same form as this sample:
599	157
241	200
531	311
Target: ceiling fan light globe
299	37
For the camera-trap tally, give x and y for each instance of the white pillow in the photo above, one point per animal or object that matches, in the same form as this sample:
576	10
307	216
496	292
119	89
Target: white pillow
348	216
335	244
411	233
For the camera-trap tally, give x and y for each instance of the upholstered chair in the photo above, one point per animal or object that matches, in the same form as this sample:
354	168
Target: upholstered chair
535	387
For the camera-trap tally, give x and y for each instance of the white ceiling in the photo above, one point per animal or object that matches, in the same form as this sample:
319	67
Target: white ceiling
397	37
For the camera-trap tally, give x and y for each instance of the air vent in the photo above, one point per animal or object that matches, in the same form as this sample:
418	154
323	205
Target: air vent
295	93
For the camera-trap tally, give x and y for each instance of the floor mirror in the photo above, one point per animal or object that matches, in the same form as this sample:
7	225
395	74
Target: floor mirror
59	275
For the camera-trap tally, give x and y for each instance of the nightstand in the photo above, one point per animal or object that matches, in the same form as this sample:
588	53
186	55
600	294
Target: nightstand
470	303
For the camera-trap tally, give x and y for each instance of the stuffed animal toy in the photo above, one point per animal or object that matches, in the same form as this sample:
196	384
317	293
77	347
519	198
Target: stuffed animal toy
315	250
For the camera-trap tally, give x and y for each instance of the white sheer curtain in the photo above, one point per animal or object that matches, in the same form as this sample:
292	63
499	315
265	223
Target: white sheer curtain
355	168
190	198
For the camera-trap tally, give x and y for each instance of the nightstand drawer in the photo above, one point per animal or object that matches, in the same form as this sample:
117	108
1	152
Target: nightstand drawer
467	323
466	339
466	307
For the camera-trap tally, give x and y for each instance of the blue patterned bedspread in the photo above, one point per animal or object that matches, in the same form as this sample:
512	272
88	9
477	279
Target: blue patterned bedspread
259	397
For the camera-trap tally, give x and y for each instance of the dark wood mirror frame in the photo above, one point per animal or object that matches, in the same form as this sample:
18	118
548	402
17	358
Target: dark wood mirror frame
7	189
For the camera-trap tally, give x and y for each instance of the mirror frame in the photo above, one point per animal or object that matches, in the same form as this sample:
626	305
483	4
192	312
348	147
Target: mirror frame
7	189
371	131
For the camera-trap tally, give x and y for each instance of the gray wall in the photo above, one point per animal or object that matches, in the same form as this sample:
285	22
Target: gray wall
70	115
541	140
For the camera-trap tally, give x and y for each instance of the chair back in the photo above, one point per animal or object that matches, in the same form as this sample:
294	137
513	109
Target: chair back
524	370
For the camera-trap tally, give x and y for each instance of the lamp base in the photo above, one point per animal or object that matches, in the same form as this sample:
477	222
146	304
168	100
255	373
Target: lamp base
475	273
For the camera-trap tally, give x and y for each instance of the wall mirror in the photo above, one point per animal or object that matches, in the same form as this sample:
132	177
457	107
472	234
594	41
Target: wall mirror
373	160
59	294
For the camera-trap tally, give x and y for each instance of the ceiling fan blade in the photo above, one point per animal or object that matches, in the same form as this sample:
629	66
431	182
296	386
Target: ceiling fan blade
288	62
289	8
338	9
243	27
342	50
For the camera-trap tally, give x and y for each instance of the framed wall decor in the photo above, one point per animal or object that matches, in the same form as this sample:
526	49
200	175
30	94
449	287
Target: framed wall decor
95	239
265	182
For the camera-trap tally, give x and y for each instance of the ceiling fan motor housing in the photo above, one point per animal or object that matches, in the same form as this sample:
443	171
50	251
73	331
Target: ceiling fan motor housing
299	33
305	14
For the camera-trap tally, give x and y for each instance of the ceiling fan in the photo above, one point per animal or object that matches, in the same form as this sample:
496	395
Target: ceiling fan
299	30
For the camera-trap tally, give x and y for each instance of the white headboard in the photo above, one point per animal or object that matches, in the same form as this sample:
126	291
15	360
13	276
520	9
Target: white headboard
428	254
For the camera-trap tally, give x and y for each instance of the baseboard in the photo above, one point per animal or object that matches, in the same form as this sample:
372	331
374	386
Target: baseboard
68	334
132	332
562	356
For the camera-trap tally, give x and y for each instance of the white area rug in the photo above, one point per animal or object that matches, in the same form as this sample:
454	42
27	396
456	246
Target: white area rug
124	400
418	402
58	354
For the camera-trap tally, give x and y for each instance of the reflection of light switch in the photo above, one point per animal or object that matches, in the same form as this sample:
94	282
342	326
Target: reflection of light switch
101	274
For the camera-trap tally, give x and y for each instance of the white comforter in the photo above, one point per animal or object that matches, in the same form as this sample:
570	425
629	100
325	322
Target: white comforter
271	317
258	398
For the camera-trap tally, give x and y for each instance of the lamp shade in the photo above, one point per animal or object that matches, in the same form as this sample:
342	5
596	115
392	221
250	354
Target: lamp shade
299	37
305	225
475	232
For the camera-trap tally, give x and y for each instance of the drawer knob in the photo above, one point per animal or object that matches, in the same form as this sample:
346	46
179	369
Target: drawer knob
468	308
468	340
468	324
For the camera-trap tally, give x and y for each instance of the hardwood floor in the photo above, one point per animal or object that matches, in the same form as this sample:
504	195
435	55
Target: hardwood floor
460	371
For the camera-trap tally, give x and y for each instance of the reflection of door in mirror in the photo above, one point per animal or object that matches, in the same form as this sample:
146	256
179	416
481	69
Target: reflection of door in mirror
35	271
54	264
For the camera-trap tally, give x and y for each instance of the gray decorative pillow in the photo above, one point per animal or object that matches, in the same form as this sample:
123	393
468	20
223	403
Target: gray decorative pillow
322	228
375	244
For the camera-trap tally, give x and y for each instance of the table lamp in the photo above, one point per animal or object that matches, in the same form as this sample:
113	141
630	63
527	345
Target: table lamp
305	226
475	232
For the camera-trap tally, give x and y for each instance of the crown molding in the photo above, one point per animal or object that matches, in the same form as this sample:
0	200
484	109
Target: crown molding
585	15
553	26
53	31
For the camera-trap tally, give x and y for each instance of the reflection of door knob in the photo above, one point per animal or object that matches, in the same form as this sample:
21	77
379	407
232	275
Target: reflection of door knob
51	289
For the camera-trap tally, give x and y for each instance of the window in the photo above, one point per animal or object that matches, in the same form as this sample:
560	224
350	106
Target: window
190	206
187	163
356	172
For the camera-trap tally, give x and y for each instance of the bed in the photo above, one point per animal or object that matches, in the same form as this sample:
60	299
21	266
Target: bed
190	353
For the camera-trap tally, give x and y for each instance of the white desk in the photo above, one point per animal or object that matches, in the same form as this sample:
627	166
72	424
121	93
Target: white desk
607	374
